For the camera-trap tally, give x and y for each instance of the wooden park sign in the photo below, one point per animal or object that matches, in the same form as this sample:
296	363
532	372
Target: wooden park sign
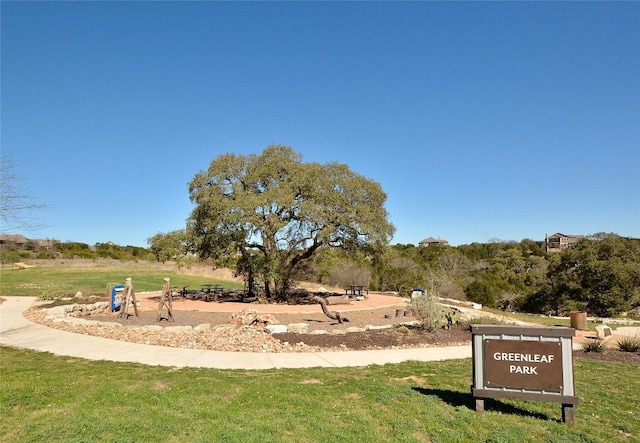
528	363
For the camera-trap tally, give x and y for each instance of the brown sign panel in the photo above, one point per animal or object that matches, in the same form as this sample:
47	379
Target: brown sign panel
523	364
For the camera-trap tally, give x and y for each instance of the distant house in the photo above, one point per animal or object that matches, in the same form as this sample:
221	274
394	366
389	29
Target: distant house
559	242
13	241
433	242
21	242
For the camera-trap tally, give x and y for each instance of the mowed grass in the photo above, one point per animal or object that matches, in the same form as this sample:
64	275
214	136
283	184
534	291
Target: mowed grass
60	399
61	279
544	321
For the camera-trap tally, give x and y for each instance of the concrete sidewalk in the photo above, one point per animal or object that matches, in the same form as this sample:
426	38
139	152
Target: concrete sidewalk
16	331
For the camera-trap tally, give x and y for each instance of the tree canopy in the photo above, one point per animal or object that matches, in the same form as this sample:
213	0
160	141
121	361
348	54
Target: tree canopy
601	274
276	211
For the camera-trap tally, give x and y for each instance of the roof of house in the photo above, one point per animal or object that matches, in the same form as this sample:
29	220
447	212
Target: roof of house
558	234
433	240
13	238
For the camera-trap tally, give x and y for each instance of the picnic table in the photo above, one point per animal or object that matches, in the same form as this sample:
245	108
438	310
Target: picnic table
211	291
354	290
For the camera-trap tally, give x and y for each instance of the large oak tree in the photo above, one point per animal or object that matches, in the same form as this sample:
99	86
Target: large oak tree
277	211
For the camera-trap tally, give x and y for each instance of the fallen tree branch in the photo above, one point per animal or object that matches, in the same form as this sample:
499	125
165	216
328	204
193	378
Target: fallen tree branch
328	313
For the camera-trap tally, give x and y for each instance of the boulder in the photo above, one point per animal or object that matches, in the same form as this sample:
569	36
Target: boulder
276	329
338	300
375	328
55	312
245	317
266	320
603	331
299	328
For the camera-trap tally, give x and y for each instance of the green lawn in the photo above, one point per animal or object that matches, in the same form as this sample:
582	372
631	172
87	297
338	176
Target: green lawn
51	398
60	280
544	321
61	399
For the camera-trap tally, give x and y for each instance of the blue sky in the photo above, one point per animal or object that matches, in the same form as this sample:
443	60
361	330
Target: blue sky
481	120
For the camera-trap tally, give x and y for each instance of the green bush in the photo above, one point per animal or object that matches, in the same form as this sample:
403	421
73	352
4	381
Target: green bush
629	344
483	292
634	314
428	312
593	346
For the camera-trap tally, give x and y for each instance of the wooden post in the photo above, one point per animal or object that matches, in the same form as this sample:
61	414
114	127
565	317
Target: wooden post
165	300
567	414
128	298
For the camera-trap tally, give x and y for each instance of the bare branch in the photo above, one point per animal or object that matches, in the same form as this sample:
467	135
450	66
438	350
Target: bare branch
17	208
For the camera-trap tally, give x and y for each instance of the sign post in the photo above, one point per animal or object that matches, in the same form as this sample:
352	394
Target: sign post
527	363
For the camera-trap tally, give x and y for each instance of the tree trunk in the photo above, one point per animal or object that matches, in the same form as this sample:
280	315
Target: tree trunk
336	316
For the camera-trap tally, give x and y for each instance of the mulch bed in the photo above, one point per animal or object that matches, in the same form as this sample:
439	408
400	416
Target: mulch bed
610	355
397	337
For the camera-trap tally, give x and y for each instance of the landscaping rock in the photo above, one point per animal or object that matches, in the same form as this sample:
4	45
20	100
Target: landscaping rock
277	329
178	329
375	328
245	317
299	328
603	331
265	320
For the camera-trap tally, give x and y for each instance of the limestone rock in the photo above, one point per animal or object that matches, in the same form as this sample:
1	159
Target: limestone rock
245	317
375	328
338	300
266	320
277	329
299	328
603	331
178	329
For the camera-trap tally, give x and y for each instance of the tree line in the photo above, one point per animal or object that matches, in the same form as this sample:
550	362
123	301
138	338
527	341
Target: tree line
71	249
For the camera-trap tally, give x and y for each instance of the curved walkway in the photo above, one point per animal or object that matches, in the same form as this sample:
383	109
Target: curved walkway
17	331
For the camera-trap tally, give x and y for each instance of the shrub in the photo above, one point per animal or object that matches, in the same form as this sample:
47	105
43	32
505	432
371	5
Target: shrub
48	294
593	346
428	312
629	344
634	314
